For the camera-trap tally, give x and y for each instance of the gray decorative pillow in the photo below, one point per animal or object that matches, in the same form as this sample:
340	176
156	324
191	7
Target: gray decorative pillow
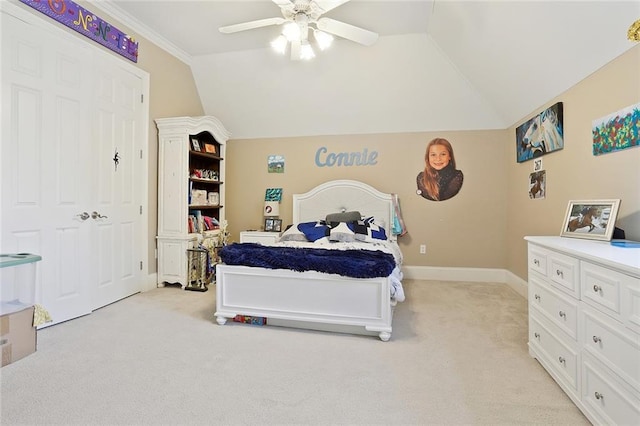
343	217
292	233
341	232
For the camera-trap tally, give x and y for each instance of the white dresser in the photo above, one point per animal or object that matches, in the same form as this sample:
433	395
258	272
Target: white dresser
584	323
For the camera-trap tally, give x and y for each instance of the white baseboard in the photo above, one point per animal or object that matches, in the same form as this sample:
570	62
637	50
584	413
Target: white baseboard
487	275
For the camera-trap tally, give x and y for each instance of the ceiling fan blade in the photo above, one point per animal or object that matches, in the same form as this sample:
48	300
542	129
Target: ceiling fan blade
251	25
327	5
295	50
284	3
348	31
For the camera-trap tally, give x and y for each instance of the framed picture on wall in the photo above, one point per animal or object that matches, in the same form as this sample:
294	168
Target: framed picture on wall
590	219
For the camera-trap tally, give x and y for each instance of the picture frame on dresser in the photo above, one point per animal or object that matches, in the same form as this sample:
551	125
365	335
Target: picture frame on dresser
273	225
590	219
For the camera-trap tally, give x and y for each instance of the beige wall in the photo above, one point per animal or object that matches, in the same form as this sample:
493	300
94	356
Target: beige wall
484	225
453	230
574	173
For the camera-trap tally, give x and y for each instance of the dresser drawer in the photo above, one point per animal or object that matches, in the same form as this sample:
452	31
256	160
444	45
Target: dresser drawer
608	400
563	271
556	307
631	305
614	346
557	353
264	238
602	287
538	259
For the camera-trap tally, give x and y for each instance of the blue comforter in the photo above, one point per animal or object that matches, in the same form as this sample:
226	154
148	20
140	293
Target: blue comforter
348	263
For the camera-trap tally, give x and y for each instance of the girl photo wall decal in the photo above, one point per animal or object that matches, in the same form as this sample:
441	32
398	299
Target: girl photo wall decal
440	180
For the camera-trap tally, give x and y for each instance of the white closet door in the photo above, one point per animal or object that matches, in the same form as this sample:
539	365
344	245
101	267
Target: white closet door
47	162
66	108
118	192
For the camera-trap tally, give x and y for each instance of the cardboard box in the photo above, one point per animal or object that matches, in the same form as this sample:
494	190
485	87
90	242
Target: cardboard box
18	336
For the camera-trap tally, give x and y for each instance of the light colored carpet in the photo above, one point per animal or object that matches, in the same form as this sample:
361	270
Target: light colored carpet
458	355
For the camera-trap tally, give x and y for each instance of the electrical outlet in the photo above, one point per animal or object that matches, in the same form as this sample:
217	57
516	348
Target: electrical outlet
423	249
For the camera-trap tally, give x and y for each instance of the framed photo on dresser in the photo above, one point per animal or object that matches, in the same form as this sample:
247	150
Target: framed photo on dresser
590	219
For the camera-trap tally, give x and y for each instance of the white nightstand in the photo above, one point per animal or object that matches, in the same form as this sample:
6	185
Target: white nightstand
261	237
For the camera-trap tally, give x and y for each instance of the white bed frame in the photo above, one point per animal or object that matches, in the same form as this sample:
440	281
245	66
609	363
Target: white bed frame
311	299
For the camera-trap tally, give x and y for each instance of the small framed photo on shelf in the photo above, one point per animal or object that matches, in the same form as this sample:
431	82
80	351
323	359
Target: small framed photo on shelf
273	225
210	148
195	145
590	219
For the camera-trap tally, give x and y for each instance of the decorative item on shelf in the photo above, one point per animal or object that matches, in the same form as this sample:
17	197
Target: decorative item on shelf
213	198
195	145
590	219
210	148
199	197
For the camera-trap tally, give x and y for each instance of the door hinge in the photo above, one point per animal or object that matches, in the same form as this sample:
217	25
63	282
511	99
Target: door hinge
141	265
141	154
142	98
140	209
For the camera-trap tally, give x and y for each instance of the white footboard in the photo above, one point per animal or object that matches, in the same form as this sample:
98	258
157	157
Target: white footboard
305	299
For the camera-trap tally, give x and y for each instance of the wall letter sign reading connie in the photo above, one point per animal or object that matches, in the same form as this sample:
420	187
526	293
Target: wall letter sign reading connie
347	159
88	24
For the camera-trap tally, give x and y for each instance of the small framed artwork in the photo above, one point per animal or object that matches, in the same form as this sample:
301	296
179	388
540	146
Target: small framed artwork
195	145
590	219
210	148
273	225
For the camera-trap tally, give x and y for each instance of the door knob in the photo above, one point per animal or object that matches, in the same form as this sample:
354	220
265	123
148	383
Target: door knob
83	215
96	215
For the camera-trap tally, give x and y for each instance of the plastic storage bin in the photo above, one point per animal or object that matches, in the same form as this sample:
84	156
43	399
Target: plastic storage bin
17	281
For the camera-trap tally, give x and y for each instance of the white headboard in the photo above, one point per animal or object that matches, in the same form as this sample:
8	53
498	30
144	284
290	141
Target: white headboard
344	195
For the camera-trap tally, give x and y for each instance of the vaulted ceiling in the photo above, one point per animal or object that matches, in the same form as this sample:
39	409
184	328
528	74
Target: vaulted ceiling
437	65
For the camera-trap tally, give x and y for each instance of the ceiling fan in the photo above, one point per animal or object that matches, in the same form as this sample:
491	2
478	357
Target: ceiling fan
301	16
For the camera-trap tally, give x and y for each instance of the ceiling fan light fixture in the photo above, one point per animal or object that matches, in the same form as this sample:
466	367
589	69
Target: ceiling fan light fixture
306	51
323	39
291	31
279	44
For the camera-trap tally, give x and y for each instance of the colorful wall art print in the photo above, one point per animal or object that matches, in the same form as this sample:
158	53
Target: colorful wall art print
275	164
541	135
617	131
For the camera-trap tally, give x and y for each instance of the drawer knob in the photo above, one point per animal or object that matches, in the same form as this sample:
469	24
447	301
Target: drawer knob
559	273
537	296
598	395
536	335
597	288
562	314
596	339
562	360
536	262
